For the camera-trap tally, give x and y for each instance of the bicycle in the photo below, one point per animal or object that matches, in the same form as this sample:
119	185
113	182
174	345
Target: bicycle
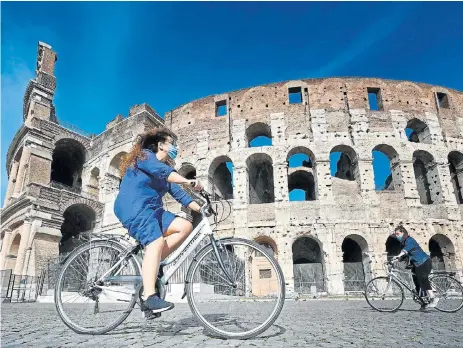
386	294
220	270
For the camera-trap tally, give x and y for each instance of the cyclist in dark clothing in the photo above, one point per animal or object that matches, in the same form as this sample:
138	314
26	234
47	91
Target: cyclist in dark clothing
420	261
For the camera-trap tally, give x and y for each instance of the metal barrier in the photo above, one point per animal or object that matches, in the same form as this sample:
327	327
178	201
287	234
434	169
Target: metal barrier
354	277
19	288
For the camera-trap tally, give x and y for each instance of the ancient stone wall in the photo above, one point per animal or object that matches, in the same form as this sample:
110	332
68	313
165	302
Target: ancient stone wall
350	116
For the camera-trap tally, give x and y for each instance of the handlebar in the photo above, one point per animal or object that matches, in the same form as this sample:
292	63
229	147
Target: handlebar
208	201
205	195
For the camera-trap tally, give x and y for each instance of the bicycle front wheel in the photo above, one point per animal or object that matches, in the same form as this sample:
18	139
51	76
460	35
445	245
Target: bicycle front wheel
243	302
88	305
384	294
449	291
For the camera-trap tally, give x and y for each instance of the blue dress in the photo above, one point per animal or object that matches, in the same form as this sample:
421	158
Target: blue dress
138	205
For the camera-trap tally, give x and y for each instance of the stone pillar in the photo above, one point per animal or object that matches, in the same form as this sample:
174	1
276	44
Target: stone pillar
5	246
367	183
324	183
26	269
278	127
22	170
280	179
239	134
11	181
411	194
285	260
241	189
25	234
333	265
448	196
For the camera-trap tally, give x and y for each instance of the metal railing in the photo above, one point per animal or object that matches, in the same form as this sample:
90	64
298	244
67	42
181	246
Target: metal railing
20	288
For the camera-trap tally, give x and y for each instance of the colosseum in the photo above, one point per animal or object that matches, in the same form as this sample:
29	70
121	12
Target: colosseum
295	160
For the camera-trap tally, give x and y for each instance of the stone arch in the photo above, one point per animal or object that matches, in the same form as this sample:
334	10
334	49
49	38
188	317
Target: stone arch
67	163
221	177
259	131
268	243
442	252
261	181
12	253
308	265
65	134
187	170
418	131
115	164
94	181
393	247
427	177
97	207
262	270
383	153
356	262
346	165
410	85
301	174
78	218
455	159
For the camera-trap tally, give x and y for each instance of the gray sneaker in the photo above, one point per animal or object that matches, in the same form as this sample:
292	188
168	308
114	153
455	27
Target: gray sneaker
433	302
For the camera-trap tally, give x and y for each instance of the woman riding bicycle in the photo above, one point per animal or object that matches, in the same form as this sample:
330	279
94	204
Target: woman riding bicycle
420	261
146	178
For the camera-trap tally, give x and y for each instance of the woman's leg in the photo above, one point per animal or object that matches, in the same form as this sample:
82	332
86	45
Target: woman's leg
422	273
176	233
150	266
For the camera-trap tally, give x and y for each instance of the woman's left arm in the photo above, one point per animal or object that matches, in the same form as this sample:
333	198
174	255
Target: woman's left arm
183	198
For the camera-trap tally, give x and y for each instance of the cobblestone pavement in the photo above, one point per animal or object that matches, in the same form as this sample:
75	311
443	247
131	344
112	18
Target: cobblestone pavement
316	323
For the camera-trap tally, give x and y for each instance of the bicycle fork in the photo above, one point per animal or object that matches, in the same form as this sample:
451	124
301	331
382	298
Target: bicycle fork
228	277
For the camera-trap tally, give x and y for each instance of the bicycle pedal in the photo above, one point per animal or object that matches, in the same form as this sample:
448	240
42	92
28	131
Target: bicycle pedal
149	315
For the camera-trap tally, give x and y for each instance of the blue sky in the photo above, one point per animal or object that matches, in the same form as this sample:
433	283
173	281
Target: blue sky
115	55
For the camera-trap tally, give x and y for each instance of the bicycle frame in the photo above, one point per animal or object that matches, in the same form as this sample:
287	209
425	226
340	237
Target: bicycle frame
176	258
394	273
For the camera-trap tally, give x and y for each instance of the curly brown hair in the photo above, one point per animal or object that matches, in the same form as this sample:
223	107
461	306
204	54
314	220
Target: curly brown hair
148	140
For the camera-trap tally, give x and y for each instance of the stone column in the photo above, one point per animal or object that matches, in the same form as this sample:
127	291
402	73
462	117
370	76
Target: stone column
447	193
367	183
324	183
35	225
25	156
25	234
411	194
239	134
5	246
280	179
11	181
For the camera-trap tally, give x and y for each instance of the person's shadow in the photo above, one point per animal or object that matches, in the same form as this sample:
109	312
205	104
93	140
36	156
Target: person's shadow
178	327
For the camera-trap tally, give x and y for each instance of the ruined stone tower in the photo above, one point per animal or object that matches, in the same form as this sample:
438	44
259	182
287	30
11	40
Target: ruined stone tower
63	182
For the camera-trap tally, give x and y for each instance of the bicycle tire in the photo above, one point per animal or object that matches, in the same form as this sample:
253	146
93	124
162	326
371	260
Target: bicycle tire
58	287
384	310
432	277
213	330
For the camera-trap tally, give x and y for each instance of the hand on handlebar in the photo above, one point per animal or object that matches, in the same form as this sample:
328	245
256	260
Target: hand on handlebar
195	185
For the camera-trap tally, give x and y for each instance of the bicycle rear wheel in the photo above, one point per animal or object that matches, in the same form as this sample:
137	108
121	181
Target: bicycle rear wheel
249	306
449	291
90	307
384	294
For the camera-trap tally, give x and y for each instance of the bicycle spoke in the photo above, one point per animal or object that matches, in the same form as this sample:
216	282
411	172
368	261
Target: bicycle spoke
247	306
88	308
